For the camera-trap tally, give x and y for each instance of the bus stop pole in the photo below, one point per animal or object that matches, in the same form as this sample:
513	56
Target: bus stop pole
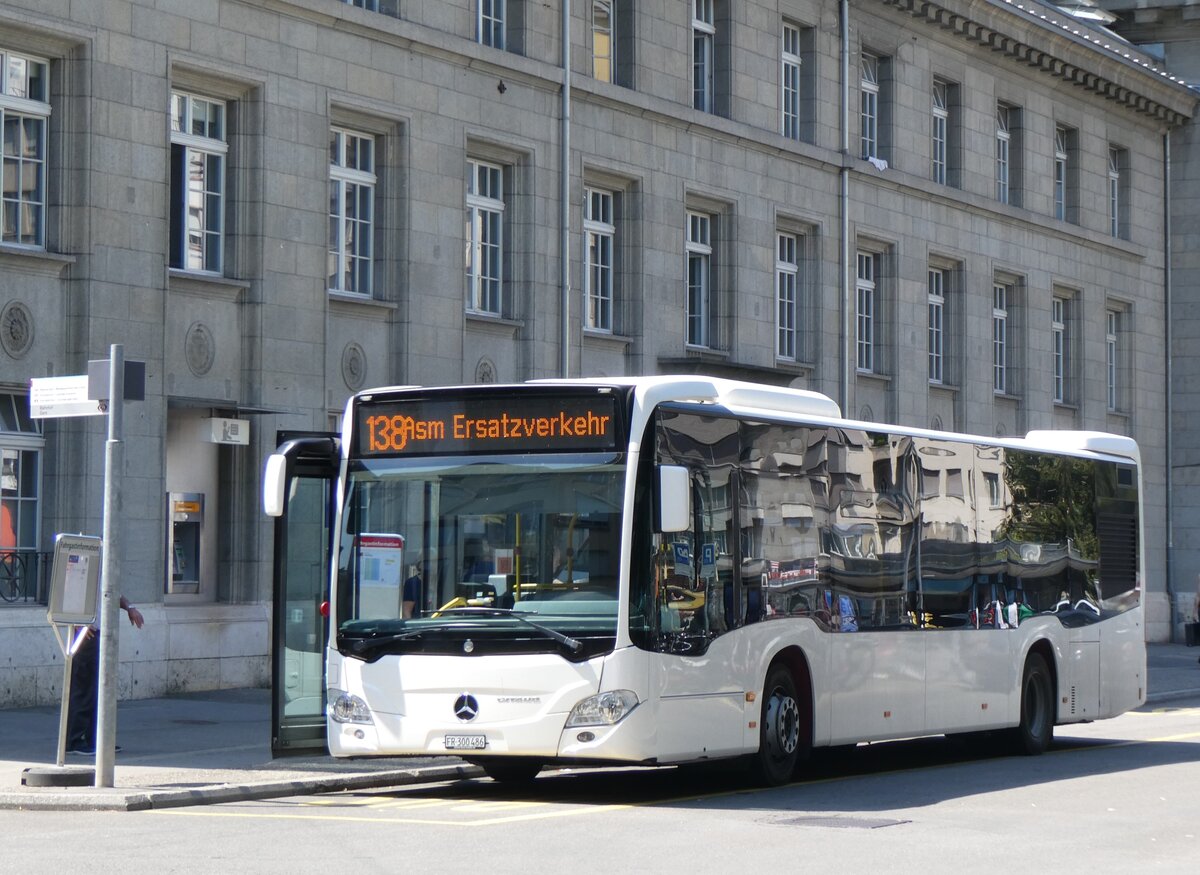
110	590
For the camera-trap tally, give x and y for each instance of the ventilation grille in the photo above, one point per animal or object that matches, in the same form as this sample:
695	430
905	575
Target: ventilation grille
1118	552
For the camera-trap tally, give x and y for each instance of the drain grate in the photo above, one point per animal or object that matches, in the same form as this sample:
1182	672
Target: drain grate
842	822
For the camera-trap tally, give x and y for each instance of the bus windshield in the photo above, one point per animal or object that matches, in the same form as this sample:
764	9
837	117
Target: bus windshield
477	555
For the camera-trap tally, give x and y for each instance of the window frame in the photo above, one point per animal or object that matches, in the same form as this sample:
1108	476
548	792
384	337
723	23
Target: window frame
1004	125
1066	170
611	33
788	249
699	300
480	206
869	91
704	35
35	111
1113	319
939	135
1001	354
791	66
491	23
866	298
1114	192
1060	347
938	279
211	149
599	226
341	176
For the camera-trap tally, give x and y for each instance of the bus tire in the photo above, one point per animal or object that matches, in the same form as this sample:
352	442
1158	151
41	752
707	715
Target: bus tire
509	770
782	737
1032	736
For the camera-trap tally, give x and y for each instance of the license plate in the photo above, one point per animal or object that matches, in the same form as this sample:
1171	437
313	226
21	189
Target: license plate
466	742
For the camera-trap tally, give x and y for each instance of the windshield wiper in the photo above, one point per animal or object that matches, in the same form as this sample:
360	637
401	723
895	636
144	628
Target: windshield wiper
573	644
364	644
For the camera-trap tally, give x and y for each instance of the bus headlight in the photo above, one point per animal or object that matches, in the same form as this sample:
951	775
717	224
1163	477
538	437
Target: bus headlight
603	709
346	708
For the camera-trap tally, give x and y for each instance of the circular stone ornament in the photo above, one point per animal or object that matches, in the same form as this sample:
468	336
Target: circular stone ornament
16	329
354	366
199	348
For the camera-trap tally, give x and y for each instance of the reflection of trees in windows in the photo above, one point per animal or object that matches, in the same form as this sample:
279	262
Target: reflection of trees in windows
1054	502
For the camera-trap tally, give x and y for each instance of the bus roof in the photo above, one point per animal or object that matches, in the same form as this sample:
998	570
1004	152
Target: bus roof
746	398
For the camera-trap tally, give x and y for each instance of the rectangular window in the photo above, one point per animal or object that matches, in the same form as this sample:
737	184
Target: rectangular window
351	211
789	80
699	279
20	487
387	7
866	305
1065	174
485	238
1118	192
490	23
603	58
869	105
995	496
1004	115
787	280
940	130
937	325
1112	322
1000	304
1060	348
24	116
704	32
599	233
198	154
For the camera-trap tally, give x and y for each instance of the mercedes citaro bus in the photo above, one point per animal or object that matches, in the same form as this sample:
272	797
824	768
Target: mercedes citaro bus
679	569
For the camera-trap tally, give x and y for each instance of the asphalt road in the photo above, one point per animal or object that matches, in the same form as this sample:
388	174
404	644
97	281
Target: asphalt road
1116	796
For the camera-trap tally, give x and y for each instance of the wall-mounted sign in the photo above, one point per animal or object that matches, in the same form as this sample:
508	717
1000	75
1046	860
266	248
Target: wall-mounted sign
218	430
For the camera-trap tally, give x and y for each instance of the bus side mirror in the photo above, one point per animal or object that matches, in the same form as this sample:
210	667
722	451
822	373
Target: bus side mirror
674	498
274	484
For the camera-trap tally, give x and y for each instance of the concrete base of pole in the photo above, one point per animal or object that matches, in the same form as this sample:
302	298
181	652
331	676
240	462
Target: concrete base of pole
58	776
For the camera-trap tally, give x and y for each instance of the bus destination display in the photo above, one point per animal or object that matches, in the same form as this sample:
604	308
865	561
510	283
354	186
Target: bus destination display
526	423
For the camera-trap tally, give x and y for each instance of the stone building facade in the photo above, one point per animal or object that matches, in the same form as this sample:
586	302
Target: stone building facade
1170	31
276	204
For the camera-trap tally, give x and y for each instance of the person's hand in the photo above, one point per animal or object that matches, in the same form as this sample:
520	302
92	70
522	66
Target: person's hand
135	616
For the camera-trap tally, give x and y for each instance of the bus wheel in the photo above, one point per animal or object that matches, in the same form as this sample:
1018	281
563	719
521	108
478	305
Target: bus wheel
781	735
514	770
1036	729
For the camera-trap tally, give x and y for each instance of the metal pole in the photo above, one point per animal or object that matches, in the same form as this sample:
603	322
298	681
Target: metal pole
68	659
564	249
110	590
849	324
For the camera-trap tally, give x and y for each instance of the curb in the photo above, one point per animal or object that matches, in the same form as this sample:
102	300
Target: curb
143	800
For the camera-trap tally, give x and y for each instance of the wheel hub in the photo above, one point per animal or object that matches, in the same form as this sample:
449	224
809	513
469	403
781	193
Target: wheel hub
783	723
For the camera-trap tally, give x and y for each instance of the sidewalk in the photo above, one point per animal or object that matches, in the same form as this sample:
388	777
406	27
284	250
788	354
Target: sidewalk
215	747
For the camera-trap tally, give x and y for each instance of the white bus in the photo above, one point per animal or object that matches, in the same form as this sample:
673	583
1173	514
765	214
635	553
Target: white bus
679	569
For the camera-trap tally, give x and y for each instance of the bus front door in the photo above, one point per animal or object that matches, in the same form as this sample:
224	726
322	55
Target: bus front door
300	576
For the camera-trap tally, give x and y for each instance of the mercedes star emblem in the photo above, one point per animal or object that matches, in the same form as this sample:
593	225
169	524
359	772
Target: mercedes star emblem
466	707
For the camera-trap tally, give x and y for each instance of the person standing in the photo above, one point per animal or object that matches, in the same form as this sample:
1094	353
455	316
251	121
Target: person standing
85	686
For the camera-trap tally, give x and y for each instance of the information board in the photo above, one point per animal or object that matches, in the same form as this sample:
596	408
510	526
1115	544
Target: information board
75	580
486	424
